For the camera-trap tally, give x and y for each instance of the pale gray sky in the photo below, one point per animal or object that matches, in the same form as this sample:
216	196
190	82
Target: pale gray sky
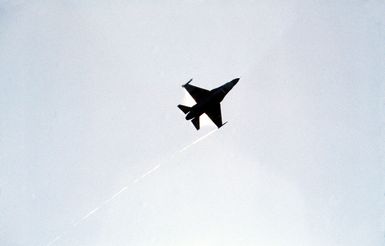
88	95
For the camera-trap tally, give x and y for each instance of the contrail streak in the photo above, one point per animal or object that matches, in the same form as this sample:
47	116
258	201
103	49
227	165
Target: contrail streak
56	239
147	173
116	194
107	201
197	141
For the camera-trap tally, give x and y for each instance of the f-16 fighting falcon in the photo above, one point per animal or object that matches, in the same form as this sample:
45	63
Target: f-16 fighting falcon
207	102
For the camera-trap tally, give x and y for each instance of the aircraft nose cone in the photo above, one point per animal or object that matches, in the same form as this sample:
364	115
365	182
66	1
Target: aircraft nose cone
235	81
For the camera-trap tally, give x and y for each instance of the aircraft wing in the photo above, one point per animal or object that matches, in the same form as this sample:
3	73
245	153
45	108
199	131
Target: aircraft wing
197	93
214	113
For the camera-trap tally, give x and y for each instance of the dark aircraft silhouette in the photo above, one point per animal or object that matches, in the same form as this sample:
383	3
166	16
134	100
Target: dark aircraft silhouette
207	102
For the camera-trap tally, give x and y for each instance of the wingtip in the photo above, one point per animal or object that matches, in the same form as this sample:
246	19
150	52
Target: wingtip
223	124
187	82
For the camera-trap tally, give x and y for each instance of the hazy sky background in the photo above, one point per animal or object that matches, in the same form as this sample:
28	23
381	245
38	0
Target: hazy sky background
88	95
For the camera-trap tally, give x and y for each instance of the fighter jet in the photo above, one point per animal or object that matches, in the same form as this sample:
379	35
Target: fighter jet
207	102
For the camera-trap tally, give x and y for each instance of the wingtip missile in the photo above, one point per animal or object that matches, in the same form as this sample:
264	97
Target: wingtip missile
187	83
223	124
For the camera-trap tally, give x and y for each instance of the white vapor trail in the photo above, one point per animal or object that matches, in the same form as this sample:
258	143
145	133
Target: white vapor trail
56	239
197	141
147	173
105	202
75	224
141	177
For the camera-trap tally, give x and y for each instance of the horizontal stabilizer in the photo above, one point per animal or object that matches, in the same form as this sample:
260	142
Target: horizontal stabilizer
185	109
195	122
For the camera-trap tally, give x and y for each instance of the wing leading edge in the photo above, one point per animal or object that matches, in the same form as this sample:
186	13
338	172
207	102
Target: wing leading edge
196	92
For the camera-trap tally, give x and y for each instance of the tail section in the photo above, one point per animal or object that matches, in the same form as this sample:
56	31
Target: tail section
195	122
185	109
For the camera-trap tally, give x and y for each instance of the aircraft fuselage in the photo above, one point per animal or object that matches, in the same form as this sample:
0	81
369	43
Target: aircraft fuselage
207	102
